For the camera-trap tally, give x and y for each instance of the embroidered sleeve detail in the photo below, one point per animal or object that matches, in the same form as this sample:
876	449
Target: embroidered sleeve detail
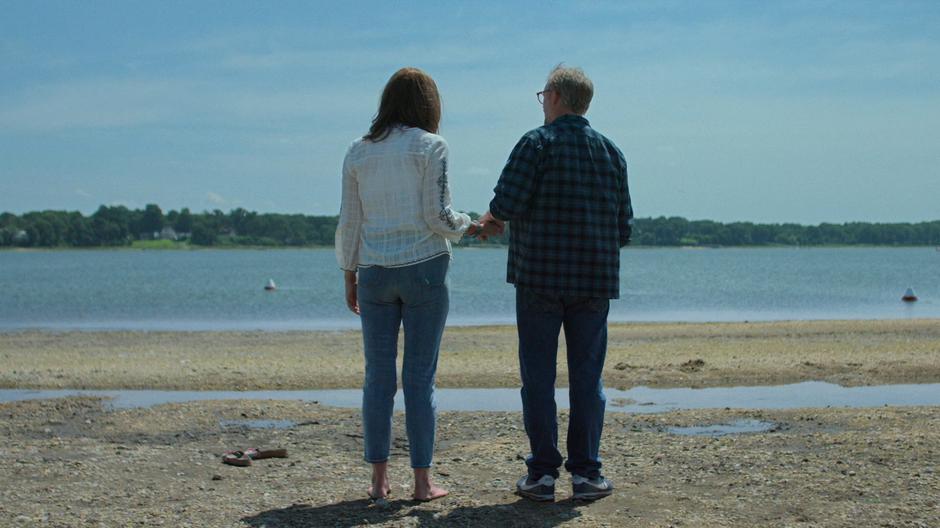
446	215
437	209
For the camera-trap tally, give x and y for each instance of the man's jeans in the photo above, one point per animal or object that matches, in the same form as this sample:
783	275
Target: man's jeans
416	296
539	318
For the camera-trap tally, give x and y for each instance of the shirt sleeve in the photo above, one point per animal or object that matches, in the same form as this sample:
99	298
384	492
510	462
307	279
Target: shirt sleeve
437	208
517	182
349	227
625	216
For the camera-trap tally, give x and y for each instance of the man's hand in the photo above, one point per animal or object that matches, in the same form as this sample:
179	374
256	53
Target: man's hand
490	226
352	294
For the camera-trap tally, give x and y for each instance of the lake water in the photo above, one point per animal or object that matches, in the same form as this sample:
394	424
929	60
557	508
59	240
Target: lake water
223	289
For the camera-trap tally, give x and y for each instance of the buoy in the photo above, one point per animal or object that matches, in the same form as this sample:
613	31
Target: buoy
270	286
909	295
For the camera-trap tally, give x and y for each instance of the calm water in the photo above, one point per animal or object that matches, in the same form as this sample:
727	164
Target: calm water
636	400
221	289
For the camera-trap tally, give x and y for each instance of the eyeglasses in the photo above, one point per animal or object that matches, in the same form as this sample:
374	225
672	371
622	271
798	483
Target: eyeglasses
541	95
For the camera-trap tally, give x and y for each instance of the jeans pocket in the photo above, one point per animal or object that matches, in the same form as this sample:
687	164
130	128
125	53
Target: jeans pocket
432	273
425	283
368	276
536	302
598	304
587	304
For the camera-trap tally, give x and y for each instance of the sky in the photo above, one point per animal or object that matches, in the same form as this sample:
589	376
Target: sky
794	111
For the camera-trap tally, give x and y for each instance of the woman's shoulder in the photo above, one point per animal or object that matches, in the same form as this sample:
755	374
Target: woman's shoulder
358	142
355	144
400	139
426	141
357	147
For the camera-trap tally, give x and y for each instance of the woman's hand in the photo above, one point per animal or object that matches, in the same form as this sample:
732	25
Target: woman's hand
474	229
352	295
489	226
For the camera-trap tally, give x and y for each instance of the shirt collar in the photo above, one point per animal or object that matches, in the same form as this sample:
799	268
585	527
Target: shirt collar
572	119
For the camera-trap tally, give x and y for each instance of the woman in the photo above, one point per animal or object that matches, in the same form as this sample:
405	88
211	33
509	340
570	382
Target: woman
395	229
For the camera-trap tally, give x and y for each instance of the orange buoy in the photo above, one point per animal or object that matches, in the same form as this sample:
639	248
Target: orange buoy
909	295
270	286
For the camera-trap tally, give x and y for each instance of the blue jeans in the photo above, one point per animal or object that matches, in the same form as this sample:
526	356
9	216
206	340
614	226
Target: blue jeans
539	319
417	296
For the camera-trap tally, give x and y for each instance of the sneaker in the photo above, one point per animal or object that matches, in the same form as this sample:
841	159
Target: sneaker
542	490
588	489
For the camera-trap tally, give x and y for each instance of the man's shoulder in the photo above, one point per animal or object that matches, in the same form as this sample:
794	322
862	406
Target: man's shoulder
606	141
531	142
537	134
591	131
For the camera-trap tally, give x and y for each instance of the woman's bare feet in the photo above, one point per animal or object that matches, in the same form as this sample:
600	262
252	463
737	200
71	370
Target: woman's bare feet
380	487
425	490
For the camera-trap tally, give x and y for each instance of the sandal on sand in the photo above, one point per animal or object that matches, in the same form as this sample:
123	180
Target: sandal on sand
255	453
236	458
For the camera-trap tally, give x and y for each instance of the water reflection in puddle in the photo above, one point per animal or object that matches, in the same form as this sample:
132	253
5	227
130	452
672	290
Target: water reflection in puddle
735	427
636	400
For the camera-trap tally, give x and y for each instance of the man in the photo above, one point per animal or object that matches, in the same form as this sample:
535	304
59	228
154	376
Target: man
564	190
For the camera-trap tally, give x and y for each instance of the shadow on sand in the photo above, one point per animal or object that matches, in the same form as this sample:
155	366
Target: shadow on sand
361	512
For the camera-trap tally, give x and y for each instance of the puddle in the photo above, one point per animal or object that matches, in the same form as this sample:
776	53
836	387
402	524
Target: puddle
257	424
735	427
642	400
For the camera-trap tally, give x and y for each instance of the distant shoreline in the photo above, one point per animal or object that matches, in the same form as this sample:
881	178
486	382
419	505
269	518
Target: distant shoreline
354	325
456	247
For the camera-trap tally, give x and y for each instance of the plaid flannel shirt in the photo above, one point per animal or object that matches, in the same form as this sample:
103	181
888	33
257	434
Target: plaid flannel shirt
564	192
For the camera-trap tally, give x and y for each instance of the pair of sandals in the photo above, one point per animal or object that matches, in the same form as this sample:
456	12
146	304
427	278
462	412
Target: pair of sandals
244	458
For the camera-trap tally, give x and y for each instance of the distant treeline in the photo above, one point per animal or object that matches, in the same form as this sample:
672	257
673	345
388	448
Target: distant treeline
120	226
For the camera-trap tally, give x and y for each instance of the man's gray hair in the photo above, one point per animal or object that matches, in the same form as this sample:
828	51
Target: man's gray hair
574	87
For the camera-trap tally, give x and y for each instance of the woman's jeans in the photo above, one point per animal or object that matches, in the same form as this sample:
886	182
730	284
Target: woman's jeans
417	296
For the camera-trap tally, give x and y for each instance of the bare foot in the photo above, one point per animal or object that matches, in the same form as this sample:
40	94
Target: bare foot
380	487
429	493
383	491
425	490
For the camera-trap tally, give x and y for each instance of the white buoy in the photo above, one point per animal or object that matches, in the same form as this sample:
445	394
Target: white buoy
270	286
909	295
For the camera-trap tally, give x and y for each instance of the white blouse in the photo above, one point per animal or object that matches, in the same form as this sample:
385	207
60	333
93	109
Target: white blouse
396	208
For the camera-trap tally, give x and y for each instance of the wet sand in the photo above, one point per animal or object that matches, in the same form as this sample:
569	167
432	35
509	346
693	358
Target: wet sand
658	355
70	462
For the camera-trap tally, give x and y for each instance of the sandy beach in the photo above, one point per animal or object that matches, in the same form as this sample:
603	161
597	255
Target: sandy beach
657	355
73	462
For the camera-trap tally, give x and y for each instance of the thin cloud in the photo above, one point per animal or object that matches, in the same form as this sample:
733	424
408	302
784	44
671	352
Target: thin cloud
97	103
118	103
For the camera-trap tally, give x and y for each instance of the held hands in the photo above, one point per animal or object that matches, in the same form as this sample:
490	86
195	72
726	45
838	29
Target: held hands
487	226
